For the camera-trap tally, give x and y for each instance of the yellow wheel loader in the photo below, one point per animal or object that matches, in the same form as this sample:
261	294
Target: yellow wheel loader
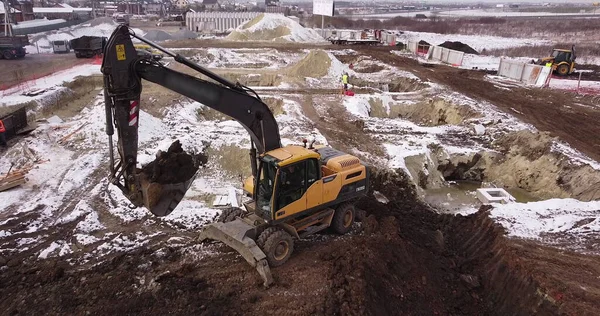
563	61
295	190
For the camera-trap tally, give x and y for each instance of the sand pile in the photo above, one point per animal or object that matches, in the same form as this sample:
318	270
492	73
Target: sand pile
157	36
316	64
274	27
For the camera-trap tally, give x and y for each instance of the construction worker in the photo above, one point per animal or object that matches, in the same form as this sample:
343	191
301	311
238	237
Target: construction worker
345	82
2	136
549	64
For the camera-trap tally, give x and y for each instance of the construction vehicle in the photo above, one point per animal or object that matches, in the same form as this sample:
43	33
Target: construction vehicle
88	46
563	61
295	190
12	47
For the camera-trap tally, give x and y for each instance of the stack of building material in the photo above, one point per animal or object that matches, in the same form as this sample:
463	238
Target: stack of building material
13	179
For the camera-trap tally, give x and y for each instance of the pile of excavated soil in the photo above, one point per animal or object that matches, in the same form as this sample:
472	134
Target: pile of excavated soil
423	43
173	166
274	27
316	65
462	47
157	36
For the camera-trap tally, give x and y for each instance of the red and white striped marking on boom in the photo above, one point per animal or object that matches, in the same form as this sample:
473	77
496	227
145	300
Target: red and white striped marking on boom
133	113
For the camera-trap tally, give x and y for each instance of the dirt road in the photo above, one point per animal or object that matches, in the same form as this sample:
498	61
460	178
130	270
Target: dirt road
34	66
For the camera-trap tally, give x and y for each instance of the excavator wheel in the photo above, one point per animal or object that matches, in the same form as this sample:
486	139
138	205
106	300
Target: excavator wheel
343	218
563	70
229	214
277	245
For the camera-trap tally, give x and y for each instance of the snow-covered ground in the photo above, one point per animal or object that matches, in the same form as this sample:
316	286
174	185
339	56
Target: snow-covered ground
50	84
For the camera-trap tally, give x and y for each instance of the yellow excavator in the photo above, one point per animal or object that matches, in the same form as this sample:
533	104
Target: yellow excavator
563	61
295	190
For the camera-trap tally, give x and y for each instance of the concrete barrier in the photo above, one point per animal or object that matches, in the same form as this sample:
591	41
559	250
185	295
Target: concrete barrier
527	73
448	56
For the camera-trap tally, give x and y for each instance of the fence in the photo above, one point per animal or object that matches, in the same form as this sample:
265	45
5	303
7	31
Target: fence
445	55
526	73
223	21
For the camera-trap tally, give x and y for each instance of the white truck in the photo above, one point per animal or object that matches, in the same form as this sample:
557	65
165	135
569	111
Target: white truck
61	47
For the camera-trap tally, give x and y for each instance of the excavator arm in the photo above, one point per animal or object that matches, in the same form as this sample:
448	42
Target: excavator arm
123	72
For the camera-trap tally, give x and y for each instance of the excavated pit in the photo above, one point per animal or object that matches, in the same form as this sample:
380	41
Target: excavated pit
434	112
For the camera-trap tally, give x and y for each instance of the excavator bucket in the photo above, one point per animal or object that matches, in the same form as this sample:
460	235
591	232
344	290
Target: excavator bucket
235	234
161	199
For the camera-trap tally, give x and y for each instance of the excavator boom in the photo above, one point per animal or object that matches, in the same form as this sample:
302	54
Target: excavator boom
123	71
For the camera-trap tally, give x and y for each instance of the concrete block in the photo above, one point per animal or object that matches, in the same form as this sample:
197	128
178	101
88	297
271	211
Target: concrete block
494	195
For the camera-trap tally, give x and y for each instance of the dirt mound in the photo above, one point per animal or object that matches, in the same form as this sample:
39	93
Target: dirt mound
434	112
459	47
274	27
173	166
423	43
316	64
157	36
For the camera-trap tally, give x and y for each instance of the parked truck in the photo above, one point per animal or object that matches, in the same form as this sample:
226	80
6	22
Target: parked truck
88	46
60	47
12	47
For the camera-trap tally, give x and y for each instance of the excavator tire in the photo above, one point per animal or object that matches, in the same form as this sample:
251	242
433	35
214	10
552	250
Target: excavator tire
229	214
277	245
563	70
343	218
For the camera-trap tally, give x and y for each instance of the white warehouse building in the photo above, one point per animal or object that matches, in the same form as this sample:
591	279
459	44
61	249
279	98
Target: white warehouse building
217	21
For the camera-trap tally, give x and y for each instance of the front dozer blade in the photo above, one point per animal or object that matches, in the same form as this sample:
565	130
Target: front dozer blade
161	199
235	235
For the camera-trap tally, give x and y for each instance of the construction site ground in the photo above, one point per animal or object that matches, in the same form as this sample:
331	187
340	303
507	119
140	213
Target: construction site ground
404	258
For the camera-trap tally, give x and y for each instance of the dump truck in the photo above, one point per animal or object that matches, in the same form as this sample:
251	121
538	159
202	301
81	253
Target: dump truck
295	190
13	47
88	46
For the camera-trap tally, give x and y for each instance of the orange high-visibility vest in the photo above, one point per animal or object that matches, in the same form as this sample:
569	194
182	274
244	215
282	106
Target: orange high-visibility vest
2	129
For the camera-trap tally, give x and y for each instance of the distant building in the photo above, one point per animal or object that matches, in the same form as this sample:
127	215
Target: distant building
272	3
211	4
181	3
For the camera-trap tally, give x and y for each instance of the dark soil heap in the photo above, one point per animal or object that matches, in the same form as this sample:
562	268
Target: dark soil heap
174	165
461	47
424	43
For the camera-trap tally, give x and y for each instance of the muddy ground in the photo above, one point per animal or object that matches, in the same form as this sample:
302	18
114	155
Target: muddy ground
404	259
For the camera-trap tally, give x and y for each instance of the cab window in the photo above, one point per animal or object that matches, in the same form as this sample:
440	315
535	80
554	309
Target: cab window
291	184
312	172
